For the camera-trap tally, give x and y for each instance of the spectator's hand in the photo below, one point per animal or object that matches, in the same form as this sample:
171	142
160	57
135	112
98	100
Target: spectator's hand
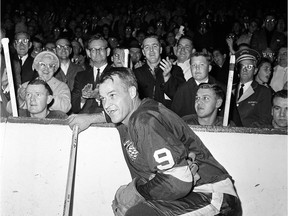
82	120
138	64
166	66
87	91
193	167
4	79
229	42
21	94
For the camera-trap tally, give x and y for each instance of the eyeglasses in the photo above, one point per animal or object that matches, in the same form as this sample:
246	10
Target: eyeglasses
246	67
94	50
23	41
48	66
270	20
268	55
60	47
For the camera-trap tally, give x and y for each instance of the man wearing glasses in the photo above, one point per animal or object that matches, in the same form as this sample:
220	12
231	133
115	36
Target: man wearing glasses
22	44
85	98
253	100
268	36
67	70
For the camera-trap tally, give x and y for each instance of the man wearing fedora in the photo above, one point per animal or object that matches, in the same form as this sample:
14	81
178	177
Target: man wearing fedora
253	100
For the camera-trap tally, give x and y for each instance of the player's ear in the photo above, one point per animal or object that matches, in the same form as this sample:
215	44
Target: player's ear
49	99
132	92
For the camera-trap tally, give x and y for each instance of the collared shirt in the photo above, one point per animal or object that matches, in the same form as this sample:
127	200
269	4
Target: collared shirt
23	58
205	81
64	67
186	69
279	78
246	86
95	71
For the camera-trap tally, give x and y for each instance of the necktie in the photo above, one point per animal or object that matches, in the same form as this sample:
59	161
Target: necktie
20	61
241	91
96	77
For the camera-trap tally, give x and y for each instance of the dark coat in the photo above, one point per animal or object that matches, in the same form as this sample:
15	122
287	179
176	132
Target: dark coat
259	41
155	88
69	78
254	106
81	79
27	73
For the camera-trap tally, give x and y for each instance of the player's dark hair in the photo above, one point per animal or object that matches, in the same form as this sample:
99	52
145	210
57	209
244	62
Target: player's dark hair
125	74
281	94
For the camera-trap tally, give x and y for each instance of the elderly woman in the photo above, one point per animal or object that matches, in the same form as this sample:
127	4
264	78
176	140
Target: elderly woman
46	64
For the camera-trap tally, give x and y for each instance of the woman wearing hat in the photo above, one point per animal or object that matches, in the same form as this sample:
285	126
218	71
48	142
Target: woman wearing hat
46	64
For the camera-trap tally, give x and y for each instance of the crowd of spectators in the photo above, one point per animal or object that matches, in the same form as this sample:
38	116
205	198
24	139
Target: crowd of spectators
77	31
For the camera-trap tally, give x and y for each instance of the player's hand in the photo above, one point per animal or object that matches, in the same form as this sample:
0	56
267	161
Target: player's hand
166	66
82	120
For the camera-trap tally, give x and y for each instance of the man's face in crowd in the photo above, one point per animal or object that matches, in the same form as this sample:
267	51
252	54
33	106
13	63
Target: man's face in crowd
116	99
247	70
46	68
135	54
200	68
265	72
270	23
63	49
206	102
280	112
98	51
282	56
184	50
152	50
37	98
22	44
218	57
118	58
37	48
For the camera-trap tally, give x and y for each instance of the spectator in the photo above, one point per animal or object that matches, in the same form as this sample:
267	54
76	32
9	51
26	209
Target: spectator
209	99
280	77
46	64
38	98
220	68
68	70
157	79
184	50
85	89
280	110
135	54
268	36
264	73
184	99
118	57
50	46
253	99
37	46
78	58
22	44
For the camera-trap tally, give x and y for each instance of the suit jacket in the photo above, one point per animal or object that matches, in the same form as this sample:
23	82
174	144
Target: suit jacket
81	79
27	73
259	41
155	88
69	78
254	106
184	99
